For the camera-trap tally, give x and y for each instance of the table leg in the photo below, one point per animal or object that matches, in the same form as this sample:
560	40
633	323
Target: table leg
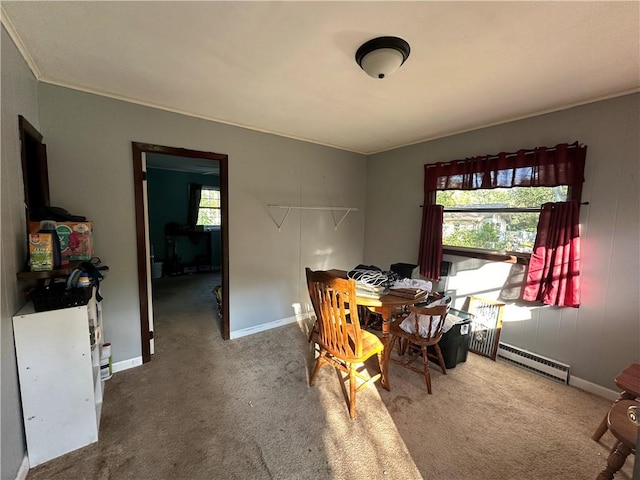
386	320
602	428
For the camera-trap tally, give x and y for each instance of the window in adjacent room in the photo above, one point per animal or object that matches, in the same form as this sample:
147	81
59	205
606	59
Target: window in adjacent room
498	219
209	207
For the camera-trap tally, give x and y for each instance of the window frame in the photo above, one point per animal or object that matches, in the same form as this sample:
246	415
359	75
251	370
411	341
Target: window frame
219	208
487	253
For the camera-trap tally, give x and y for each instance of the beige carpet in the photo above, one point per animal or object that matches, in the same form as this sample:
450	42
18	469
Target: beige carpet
204	408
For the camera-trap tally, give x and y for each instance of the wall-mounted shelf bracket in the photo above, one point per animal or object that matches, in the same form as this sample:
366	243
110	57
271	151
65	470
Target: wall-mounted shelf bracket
346	211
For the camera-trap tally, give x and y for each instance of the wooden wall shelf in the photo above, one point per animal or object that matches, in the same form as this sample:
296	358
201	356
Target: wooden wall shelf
59	272
346	211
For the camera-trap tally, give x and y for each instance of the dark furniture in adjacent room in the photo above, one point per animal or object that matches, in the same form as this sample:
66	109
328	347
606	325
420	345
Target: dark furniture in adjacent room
177	264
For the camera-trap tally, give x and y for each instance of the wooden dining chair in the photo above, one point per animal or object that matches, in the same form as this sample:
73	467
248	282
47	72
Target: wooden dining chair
343	344
425	325
622	422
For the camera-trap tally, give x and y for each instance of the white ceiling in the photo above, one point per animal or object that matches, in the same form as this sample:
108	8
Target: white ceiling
288	67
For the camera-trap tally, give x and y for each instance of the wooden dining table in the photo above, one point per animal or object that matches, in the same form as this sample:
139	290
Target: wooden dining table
385	306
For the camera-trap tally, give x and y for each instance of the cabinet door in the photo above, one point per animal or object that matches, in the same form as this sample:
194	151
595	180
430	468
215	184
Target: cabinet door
56	384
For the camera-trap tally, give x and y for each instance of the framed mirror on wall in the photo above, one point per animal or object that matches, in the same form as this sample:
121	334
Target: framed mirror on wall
35	172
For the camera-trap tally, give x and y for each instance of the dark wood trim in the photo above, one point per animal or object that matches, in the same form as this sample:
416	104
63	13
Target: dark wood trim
138	149
35	172
138	179
26	127
224	243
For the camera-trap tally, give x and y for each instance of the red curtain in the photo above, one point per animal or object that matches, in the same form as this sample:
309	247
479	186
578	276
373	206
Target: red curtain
554	268
195	194
431	241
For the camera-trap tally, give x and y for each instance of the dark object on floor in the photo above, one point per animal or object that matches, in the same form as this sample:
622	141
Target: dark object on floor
454	344
217	292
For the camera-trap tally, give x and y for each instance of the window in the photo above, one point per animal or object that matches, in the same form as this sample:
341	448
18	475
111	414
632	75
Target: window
209	207
501	183
499	219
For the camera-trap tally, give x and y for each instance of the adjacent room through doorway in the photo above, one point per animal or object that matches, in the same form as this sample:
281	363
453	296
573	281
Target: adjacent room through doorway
181	213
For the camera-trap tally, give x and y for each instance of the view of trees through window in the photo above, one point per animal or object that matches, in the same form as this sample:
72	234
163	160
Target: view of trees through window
209	209
495	219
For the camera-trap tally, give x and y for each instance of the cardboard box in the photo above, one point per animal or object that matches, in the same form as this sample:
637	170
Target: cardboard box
75	239
40	252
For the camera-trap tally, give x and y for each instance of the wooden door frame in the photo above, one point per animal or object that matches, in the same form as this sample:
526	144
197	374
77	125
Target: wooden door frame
138	178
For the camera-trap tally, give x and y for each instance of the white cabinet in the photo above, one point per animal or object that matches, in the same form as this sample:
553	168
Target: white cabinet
58	354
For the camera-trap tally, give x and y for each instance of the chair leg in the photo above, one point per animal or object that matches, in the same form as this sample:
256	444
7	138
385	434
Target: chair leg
402	346
425	366
601	430
313	330
365	314
440	358
319	363
352	390
615	461
392	341
384	373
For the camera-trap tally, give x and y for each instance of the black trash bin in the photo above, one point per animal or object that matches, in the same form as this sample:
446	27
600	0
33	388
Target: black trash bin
454	344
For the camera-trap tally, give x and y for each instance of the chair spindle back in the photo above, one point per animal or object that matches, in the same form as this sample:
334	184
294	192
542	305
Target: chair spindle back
339	325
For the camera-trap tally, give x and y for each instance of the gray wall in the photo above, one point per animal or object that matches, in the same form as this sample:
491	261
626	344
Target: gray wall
91	173
601	337
19	97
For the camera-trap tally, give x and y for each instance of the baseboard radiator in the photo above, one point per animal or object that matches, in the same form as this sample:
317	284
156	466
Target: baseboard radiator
536	363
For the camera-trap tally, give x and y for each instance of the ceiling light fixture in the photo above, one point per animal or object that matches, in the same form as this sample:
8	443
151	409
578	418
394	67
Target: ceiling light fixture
382	56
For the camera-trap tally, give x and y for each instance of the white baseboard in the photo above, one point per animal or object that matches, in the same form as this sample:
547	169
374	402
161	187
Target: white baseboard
593	388
126	364
268	326
24	469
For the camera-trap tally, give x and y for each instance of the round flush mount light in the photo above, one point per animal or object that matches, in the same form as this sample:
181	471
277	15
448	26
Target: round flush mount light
382	56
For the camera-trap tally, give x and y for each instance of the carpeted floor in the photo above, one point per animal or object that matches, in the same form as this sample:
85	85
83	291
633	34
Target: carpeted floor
204	408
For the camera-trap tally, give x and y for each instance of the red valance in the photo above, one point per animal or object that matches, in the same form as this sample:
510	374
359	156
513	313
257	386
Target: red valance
540	167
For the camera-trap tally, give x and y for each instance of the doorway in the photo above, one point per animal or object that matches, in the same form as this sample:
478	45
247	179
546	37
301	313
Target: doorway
140	150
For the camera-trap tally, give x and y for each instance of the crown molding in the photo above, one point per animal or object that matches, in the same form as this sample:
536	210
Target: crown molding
13	33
